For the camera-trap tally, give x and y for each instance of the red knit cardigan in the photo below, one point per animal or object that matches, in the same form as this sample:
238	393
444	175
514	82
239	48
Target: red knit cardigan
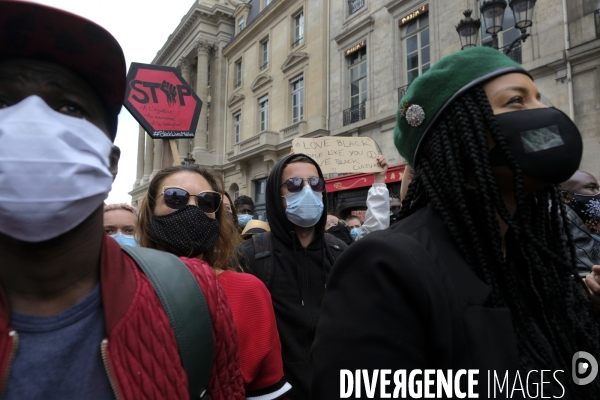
140	351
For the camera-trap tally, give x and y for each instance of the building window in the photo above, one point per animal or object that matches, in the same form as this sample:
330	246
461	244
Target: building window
238	73
506	36
208	75
236	192
417	47
264	54
298	29
237	118
358	77
267	2
297	98
260	199
241	25
358	87
264	113
355	5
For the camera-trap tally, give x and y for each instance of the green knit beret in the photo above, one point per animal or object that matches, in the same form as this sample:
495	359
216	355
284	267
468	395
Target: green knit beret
429	95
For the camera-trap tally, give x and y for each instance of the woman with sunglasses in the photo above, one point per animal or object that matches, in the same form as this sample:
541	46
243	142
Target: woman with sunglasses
182	214
478	273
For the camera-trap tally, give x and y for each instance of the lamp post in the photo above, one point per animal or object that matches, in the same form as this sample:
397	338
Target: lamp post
189	160
493	18
468	30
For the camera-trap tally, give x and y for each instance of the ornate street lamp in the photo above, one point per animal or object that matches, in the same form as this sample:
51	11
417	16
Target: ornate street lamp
189	160
523	12
468	30
493	17
492	12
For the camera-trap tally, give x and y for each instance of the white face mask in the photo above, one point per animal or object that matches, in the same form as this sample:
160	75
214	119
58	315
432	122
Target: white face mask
54	170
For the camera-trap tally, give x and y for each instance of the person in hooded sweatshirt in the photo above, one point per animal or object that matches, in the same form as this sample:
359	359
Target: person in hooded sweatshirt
294	260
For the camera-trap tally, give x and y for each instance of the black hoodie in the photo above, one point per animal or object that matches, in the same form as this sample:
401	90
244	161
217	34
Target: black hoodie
298	283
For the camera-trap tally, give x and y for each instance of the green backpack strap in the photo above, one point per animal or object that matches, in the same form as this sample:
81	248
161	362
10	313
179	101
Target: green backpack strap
185	305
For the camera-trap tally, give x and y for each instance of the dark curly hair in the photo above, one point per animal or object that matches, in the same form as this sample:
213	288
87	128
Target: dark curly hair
533	271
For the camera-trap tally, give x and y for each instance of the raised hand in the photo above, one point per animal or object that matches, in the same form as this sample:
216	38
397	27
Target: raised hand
170	91
380	176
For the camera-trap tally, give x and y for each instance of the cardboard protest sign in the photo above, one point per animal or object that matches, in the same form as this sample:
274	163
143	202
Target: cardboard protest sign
162	101
337	155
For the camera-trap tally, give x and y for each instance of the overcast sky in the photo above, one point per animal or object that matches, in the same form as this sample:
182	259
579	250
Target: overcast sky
141	27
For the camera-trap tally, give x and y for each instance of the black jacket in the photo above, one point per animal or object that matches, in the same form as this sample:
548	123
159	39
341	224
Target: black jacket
297	285
587	250
404	298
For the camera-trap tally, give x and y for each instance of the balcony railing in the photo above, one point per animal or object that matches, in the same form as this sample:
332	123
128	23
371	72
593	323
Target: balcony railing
355	114
402	91
298	42
295	130
265	65
355	5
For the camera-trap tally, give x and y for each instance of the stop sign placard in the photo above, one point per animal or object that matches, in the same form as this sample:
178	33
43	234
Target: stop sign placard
162	101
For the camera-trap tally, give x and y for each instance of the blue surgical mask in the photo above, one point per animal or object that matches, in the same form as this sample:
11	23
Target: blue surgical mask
125	239
243	219
354	232
304	208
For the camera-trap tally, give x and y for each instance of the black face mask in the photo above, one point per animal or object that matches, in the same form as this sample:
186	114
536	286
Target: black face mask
341	232
545	143
188	232
587	208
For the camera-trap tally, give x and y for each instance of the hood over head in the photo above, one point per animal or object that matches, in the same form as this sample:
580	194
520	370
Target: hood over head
280	225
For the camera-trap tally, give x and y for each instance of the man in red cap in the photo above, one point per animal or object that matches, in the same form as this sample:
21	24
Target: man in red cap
78	318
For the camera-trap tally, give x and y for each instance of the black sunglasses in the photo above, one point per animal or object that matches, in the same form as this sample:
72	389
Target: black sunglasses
177	198
295	185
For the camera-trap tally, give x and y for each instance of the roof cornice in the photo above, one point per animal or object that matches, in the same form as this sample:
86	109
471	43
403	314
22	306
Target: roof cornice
193	16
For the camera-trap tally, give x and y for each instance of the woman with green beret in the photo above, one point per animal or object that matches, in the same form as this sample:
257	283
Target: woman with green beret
478	273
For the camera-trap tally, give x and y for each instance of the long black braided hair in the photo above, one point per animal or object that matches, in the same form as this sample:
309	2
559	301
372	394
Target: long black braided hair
533	272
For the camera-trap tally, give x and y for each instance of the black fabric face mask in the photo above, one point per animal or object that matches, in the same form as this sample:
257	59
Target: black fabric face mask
587	208
188	232
544	141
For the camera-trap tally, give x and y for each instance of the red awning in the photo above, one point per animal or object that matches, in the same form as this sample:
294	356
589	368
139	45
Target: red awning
353	181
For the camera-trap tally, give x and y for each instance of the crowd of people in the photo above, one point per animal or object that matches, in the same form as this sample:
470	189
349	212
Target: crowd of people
487	259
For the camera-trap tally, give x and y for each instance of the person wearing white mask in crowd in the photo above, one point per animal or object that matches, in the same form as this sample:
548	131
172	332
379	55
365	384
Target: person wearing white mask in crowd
78	318
244	207
120	221
353	224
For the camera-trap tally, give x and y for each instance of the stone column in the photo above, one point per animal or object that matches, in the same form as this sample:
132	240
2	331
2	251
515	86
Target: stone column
148	159
158	149
140	158
203	49
186	71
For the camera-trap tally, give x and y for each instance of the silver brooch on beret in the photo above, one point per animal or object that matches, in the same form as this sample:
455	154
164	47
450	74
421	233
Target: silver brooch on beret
415	115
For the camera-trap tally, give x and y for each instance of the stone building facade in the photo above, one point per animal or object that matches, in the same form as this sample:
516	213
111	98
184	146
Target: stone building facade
377	47
268	85
302	68
196	49
277	88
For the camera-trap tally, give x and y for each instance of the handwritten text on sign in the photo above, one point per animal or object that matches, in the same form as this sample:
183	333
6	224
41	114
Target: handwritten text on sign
341	154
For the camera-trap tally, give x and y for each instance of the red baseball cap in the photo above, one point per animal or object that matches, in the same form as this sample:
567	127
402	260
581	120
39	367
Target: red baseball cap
30	30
